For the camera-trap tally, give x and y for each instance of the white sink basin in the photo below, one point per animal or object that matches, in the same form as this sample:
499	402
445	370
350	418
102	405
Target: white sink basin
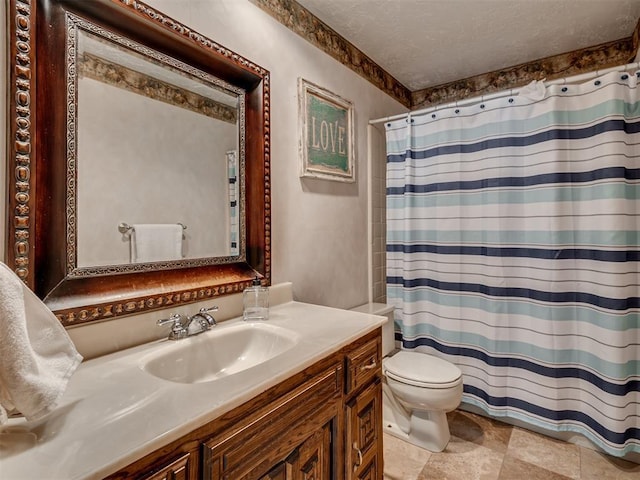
224	350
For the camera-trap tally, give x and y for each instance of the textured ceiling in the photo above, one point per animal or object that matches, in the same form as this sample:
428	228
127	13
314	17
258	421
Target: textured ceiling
424	43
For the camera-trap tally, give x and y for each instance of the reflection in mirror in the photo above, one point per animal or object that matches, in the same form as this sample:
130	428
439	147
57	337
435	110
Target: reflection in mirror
175	160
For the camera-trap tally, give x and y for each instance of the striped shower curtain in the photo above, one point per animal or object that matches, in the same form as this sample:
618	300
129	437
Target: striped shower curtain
513	252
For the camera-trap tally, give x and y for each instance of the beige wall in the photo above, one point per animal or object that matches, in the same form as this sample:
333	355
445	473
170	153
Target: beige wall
319	228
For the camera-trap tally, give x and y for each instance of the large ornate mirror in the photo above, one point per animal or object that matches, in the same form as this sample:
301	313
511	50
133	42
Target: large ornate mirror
124	121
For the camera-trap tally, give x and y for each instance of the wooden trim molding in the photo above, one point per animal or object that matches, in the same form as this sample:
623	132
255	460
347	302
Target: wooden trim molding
21	20
106	311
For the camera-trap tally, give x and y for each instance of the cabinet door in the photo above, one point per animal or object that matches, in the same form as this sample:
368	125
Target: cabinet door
364	434
177	470
312	460
294	427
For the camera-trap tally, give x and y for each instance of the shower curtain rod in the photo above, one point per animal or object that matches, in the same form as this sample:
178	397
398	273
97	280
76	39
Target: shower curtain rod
506	93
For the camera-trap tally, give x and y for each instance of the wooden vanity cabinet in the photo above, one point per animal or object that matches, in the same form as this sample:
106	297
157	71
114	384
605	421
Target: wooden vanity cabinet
323	423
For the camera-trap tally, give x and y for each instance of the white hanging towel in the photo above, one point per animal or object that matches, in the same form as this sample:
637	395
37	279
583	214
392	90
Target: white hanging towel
156	242
37	357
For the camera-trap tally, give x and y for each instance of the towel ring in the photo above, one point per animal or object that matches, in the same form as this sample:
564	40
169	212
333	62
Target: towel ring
124	228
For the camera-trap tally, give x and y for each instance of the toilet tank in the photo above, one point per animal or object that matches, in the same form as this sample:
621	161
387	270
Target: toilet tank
388	329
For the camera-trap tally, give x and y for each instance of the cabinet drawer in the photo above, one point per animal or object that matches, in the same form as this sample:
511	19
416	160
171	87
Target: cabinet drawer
363	364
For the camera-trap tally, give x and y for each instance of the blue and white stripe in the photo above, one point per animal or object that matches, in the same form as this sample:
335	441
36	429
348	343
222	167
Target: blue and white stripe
513	250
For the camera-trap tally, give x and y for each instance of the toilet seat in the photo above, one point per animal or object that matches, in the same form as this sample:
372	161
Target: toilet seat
422	370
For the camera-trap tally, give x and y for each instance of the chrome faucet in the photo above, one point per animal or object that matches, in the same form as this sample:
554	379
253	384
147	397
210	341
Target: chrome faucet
184	326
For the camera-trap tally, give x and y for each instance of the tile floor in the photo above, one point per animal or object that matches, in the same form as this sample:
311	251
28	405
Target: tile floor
485	449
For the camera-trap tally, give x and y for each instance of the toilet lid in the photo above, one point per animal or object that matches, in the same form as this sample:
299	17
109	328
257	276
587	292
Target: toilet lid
417	368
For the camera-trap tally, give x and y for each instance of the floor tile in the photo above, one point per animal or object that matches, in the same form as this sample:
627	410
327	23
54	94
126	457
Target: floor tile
597	466
463	460
514	469
486	449
402	460
480	430
553	455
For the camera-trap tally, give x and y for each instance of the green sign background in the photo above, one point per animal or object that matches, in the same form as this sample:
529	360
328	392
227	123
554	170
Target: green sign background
327	134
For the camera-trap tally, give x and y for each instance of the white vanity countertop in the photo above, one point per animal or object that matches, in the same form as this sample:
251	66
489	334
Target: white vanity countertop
114	413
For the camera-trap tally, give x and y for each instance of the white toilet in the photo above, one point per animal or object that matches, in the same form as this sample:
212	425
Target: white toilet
417	391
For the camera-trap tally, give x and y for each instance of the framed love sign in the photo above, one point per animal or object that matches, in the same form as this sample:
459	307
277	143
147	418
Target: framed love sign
326	134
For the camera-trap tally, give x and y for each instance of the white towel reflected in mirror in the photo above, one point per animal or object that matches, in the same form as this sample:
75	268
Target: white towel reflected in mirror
159	242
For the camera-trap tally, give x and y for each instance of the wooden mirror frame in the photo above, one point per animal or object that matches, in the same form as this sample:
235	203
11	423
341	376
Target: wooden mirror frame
37	245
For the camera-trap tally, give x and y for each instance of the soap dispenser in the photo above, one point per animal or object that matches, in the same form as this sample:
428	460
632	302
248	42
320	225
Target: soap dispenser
255	301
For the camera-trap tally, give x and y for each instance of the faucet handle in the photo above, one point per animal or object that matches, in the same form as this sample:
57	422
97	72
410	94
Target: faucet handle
214	308
175	318
178	330
204	312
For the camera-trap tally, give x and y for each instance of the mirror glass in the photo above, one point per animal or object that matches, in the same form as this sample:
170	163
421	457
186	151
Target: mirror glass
176	160
122	121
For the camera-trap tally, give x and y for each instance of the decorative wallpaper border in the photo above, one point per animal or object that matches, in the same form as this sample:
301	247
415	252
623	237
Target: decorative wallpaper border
299	20
599	57
96	68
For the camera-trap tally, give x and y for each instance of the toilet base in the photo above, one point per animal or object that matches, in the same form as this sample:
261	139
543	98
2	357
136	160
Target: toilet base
428	430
